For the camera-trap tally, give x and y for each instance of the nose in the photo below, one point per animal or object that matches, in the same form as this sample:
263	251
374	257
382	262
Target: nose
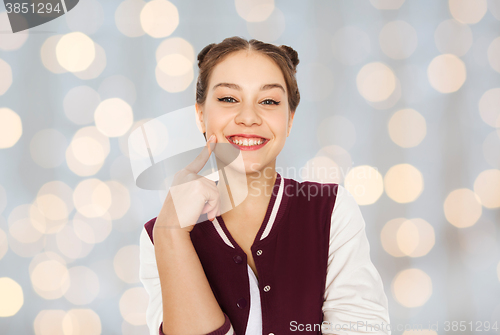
248	115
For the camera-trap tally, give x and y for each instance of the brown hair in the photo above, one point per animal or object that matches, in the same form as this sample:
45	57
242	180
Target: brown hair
284	56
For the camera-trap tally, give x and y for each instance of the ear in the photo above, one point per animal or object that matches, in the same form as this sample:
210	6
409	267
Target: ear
290	122
199	117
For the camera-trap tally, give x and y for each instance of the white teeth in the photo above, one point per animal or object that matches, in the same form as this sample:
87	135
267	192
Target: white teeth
248	143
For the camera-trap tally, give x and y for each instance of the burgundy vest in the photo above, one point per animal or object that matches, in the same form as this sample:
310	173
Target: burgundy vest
291	260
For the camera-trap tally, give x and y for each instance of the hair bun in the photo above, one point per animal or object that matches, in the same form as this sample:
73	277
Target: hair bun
292	54
203	53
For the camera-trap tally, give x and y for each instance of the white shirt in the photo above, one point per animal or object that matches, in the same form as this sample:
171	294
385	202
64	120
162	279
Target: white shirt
353	286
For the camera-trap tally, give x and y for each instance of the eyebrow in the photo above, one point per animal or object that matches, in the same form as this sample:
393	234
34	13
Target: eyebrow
237	87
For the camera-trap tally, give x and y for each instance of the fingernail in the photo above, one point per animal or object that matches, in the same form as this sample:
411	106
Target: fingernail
211	138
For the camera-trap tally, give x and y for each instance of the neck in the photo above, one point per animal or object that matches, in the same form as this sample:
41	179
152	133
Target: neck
243	194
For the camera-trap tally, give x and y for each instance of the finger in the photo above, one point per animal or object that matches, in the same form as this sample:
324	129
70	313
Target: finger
199	162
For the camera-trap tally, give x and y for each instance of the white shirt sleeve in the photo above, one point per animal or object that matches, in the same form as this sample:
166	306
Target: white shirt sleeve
148	273
354	293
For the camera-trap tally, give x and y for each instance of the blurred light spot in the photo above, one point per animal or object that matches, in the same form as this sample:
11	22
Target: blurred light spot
53	208
80	103
412	287
407	128
446	73
49	322
123	140
491	149
87	17
21	223
468	11
70	245
320	169
11	128
120	199
365	183
48	55
453	37
50	279
133	304
3	199
494	54
376	81
415	237
4	244
317	81
92	198
92	230
42	257
487	187
489	107
390	101
270	29
118	86
48	147
11	41
96	67
84	286
75	51
337	130
21	248
254	11
340	157
176	45
11	297
159	18
91	146
113	117
126	264
403	183
388	237
387	4
407	237
494	7
82	322
127	18
462	208
174	73
88	150
351	45
6	78
398	39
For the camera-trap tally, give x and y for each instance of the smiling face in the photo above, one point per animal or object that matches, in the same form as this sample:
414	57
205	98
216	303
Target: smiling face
247	96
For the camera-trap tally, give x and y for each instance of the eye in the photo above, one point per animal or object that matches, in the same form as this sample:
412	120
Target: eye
224	99
271	102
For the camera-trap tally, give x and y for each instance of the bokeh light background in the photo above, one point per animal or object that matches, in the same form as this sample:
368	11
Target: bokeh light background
402	97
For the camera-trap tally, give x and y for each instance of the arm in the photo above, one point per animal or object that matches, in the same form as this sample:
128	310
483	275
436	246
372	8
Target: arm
185	311
354	292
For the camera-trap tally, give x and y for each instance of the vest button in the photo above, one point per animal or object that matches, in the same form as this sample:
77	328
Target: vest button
241	303
259	252
237	259
271	333
267	288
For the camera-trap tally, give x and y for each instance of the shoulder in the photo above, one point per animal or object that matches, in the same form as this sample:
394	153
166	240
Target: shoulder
311	191
346	214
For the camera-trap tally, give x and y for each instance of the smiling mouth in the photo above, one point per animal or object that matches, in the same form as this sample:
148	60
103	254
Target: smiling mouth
245	143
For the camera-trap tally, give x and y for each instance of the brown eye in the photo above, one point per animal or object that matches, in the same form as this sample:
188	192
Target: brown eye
271	102
225	99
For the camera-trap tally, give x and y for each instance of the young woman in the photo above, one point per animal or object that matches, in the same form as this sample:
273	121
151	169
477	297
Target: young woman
291	256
